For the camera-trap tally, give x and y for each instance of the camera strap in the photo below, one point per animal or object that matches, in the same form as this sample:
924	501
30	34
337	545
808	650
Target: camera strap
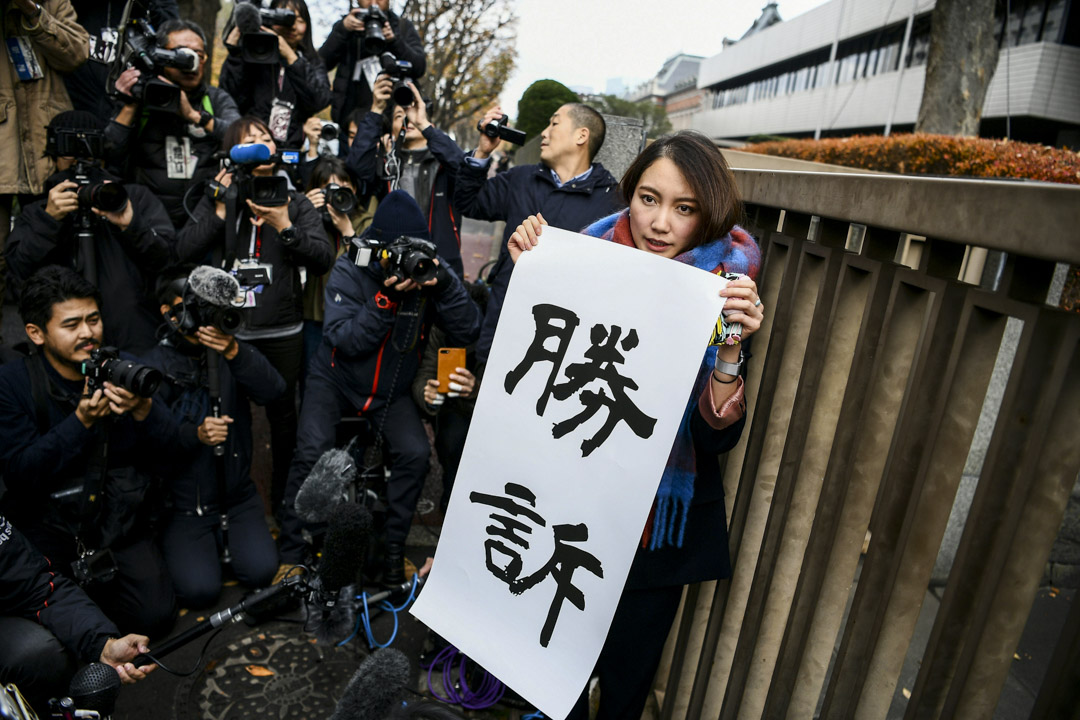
213	383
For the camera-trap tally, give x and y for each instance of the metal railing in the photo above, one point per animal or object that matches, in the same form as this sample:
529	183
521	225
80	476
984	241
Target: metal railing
866	387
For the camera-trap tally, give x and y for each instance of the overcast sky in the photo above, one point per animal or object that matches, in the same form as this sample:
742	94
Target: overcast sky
585	43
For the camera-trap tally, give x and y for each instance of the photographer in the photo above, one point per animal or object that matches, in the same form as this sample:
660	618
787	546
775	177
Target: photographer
425	164
49	625
87	85
331	180
355	51
377	319
566	186
47	32
170	152
270	248
78	453
119	238
283	94
193	539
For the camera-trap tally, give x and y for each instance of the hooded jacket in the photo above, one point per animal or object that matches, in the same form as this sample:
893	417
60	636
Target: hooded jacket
343	49
26	108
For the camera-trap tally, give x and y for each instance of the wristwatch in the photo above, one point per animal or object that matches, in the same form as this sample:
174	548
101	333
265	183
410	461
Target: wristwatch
287	236
204	118
730	368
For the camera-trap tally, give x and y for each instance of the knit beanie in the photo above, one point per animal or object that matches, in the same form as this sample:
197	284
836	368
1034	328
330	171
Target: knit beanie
397	215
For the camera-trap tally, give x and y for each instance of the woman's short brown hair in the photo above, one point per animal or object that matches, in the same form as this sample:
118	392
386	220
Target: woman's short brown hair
707	174
240	128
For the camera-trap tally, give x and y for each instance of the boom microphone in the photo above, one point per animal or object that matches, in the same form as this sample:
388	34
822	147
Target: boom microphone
375	688
325	485
344	551
247	17
249	153
95	687
214	285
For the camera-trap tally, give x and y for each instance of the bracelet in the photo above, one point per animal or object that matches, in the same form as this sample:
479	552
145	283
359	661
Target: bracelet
723	382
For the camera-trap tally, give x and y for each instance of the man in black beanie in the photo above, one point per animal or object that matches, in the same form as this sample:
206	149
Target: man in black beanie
373	337
117	238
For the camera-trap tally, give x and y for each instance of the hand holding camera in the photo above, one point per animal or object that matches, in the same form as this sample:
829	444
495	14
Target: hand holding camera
120	218
276	217
213	338
284	48
487	144
380	94
63	200
416	113
93	405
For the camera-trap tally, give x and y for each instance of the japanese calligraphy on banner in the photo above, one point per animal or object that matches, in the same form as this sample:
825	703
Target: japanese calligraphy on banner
591	368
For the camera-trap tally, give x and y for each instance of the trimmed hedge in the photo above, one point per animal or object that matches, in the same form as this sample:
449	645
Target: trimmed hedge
924	154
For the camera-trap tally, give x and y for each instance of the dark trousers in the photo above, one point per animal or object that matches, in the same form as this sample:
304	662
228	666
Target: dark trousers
451	429
631	653
35	661
405	439
139	599
286	355
192	548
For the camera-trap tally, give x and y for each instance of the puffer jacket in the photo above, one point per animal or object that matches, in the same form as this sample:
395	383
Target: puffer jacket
61	45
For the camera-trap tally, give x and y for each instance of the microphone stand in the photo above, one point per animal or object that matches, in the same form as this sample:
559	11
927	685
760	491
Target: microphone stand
213	380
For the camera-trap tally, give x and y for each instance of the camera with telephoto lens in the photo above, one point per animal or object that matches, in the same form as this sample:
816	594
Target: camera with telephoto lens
105	365
399	71
407	257
373	19
340	198
142	52
498	129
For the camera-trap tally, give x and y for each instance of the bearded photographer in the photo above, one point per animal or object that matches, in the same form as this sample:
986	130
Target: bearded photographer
423	162
79	450
169	152
117	236
50	625
269	248
211	380
285	92
354	48
377	319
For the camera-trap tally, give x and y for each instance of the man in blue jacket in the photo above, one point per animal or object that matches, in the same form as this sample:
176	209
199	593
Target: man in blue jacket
373	338
193	540
566	186
424	164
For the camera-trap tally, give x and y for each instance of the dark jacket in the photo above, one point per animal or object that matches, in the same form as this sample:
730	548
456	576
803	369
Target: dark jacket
438	173
248	377
254	86
87	84
31	590
142	148
518	193
343	49
44	471
368	351
127	261
281	303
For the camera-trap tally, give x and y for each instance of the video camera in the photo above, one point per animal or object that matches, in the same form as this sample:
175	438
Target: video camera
407	257
499	129
105	365
257	46
141	51
268	191
399	70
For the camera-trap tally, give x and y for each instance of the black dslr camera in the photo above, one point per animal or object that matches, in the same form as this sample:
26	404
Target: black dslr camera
399	70
373	19
105	365
407	257
142	52
193	312
499	129
86	146
342	199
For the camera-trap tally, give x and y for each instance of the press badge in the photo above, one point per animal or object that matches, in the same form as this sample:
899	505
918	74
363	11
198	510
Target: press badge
103	47
280	117
370	67
180	161
23	58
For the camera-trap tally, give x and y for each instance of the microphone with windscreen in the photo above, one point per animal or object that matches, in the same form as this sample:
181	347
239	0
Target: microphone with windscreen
375	688
343	554
324	488
208	298
256	46
95	687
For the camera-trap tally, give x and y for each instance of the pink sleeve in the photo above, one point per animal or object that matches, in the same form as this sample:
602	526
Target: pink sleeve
732	409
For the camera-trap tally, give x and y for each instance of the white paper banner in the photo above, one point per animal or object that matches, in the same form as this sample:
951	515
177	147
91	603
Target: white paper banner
548	507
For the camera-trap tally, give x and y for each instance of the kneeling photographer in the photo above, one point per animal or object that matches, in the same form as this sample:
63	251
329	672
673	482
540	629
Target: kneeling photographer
210	380
80	442
116	235
354	46
269	236
382	298
423	161
272	70
171	125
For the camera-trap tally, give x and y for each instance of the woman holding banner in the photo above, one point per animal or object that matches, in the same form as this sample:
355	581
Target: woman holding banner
683	205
